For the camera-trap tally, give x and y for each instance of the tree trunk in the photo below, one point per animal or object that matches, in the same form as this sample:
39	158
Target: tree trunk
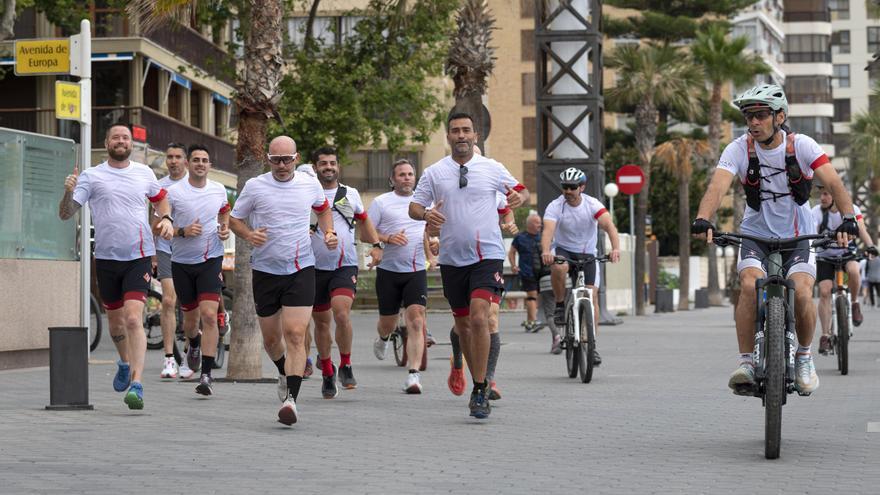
7	22
646	135
714	145
684	243
256	99
472	104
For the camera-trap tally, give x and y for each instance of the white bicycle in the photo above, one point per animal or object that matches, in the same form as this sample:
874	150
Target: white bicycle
579	339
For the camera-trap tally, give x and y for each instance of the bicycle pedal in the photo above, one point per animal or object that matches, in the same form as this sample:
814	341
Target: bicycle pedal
804	394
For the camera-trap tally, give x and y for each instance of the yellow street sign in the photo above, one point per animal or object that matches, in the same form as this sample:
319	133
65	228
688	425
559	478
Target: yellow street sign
68	102
44	56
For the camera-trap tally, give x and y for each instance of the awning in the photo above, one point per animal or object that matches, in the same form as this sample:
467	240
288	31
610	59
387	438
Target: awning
220	98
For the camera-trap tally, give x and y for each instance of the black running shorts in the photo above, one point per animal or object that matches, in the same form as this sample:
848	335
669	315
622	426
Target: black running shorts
482	279
197	282
119	281
273	291
396	288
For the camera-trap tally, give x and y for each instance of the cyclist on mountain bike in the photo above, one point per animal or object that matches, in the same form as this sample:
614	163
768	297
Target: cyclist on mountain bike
827	217
571	223
776	168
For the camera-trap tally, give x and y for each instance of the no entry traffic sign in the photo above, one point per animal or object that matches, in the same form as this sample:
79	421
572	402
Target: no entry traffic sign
630	179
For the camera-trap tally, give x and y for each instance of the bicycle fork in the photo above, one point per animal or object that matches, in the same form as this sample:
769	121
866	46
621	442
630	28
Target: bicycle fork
773	287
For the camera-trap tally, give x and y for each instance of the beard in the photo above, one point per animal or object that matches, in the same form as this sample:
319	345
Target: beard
119	155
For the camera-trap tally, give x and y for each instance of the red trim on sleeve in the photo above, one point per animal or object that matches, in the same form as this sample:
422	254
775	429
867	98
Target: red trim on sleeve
818	162
858	217
518	187
225	208
361	216
158	197
504	211
600	213
324	206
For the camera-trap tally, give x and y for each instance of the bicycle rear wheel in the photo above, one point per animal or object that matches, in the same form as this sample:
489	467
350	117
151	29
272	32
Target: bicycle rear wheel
153	320
587	346
572	354
96	323
842	341
774	381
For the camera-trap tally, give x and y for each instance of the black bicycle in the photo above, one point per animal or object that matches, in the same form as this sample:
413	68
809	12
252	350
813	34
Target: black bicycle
96	322
775	334
841	309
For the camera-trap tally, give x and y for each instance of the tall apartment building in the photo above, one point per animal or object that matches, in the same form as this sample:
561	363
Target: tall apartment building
808	69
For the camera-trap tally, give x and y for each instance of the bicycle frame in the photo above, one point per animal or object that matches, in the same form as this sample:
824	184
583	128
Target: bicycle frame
580	295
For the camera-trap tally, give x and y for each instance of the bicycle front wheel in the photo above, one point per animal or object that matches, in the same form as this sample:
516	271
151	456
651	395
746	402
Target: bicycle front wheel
572	352
842	341
96	323
153	320
774	380
587	346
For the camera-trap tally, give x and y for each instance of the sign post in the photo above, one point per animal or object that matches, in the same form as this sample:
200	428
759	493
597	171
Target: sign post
81	65
630	179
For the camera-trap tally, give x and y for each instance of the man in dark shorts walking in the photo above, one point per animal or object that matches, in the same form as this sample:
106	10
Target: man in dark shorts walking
528	246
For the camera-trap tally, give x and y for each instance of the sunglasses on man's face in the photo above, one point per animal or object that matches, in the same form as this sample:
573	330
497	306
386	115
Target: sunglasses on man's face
569	187
286	159
462	176
760	115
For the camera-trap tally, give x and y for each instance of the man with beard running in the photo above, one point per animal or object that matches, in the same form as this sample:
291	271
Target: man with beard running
117	192
463	189
272	213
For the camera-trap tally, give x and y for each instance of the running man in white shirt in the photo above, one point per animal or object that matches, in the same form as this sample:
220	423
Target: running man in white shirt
827	218
571	224
272	213
336	271
175	161
401	277
201	213
463	189
117	192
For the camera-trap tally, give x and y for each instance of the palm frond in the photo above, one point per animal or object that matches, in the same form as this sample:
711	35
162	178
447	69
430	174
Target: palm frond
471	58
153	13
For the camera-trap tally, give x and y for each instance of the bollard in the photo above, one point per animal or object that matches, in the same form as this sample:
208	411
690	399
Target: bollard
68	368
701	298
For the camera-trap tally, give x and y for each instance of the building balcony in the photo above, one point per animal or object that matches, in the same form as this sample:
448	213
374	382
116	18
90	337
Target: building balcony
196	49
817	16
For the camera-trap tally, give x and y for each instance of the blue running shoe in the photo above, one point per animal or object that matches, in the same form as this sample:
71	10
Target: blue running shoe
122	378
135	396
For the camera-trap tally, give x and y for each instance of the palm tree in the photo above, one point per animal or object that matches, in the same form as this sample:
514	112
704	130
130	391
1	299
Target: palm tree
649	77
676	157
258	77
864	159
723	60
471	61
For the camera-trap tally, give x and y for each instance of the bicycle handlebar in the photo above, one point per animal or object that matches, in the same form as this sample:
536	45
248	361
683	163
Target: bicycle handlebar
590	259
775	243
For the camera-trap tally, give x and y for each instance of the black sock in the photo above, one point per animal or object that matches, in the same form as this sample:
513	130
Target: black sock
293	383
479	387
560	304
456	349
280	365
413	371
207	364
169	355
385	338
196	341
494	352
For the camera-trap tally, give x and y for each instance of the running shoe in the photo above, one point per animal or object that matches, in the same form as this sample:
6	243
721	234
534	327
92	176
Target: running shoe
380	348
527	326
185	371
556	346
412	384
429	339
479	405
123	376
328	387
494	392
287	414
194	358
346	377
742	380
857	314
169	370
597	359
282	388
310	370
559	316
456	379
134	399
205	385
807	380
824	345
537	326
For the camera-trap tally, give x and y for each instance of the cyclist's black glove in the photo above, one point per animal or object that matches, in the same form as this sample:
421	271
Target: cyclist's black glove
872	250
701	226
849	226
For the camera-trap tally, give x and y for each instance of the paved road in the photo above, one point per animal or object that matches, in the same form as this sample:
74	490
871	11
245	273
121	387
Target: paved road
657	419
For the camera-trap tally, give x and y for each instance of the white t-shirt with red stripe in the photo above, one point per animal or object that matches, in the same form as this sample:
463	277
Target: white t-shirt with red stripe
188	204
834	221
283	208
471	232
166	182
117	199
345	253
782	217
389	212
577	227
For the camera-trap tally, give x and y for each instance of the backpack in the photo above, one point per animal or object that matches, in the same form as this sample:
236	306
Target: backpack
341	206
798	185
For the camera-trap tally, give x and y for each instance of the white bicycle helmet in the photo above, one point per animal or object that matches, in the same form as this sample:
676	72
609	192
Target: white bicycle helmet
763	95
572	175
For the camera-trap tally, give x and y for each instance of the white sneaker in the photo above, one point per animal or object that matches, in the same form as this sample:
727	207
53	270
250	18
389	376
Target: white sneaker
807	379
412	385
287	414
170	368
185	371
380	348
282	388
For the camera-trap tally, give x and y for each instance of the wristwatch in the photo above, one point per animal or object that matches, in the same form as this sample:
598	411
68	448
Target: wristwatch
167	217
378	245
181	232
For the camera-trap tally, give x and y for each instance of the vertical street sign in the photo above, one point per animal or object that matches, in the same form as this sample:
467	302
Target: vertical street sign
68	100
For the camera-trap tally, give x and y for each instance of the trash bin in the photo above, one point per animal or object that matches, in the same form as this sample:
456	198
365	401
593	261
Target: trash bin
701	298
663	301
68	368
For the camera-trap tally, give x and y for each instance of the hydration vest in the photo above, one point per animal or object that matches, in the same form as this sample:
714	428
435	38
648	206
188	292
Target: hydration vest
798	185
341	205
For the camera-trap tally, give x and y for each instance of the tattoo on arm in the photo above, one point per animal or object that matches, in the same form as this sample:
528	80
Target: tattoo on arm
68	206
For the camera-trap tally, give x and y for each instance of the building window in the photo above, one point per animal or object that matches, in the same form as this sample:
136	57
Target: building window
873	39
527	9
529	133
839	9
842	111
195	108
323	29
806	11
528	88
818	128
808	89
527	45
175	101
110	84
805	48
151	88
840	76
530	176
840	42
841	144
